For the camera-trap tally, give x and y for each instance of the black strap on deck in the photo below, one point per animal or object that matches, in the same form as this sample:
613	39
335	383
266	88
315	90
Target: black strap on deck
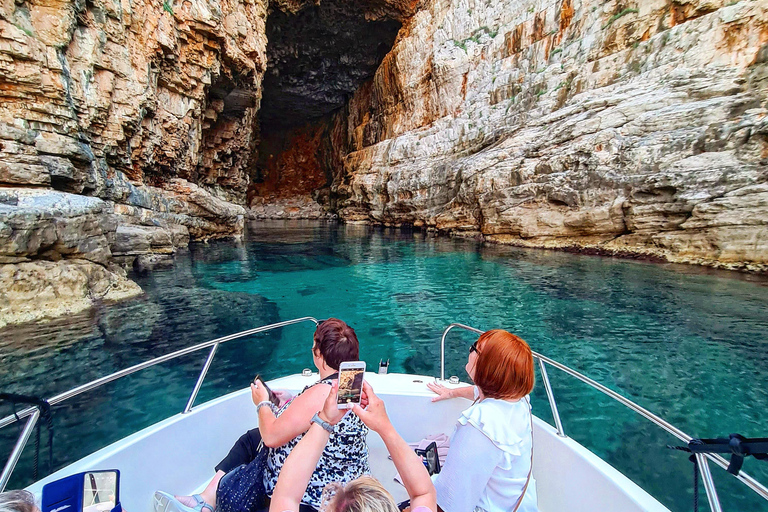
737	445
45	415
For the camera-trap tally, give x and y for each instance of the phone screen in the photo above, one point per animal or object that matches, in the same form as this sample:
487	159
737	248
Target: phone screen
350	386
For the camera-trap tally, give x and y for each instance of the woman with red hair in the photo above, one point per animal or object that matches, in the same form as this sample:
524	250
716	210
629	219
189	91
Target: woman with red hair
489	462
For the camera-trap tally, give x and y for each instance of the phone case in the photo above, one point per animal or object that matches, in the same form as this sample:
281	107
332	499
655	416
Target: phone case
351	378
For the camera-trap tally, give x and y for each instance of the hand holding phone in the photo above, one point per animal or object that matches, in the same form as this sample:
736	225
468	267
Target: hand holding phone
429	458
258	381
375	414
330	412
351	375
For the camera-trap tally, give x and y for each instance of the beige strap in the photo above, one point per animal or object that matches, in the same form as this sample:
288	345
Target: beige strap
530	471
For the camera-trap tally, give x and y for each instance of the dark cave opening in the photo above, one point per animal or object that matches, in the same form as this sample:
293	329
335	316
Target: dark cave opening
317	58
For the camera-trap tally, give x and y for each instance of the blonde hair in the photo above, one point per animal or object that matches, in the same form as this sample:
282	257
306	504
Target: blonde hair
18	501
364	494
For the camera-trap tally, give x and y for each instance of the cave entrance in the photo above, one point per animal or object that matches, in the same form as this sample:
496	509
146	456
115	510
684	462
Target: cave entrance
318	54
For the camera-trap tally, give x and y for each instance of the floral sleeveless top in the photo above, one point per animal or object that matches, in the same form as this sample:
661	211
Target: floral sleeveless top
344	458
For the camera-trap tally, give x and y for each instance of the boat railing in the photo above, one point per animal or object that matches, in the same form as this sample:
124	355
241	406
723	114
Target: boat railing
543	361
33	413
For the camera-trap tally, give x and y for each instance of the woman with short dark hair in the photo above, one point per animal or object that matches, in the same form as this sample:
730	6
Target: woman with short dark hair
281	429
489	463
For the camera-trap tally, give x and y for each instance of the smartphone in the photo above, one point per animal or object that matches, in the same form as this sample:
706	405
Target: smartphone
430	458
350	384
272	397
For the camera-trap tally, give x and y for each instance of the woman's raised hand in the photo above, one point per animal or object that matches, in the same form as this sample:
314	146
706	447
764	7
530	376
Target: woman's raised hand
375	415
443	393
331	412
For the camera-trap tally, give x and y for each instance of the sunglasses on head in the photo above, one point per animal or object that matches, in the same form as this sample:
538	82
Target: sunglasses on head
473	348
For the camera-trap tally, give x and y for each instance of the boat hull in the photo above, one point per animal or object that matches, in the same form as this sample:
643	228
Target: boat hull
178	454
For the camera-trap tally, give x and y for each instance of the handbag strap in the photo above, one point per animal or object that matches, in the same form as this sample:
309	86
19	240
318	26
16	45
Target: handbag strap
530	471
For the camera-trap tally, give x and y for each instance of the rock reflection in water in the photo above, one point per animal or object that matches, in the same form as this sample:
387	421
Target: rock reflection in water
48	358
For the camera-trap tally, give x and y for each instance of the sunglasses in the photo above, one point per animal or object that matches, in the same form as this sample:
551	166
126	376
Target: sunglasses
473	348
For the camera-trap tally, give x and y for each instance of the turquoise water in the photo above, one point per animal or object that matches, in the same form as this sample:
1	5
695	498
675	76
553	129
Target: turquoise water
687	344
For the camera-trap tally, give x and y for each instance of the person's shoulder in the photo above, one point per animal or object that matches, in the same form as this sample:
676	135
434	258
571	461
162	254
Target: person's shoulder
327	381
506	406
496	408
505	423
313	393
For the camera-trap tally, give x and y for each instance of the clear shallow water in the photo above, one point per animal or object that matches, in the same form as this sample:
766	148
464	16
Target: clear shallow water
687	344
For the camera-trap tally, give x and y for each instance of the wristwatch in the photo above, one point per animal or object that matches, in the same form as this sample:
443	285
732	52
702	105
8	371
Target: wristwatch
265	403
327	426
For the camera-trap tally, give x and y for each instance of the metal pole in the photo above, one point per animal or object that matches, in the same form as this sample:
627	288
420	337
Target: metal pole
551	397
200	379
17	449
146	364
442	344
709	484
743	477
627	402
34	414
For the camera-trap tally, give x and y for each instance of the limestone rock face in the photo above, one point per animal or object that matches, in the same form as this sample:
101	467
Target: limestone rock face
297	207
42	289
36	223
635	128
108	98
135	123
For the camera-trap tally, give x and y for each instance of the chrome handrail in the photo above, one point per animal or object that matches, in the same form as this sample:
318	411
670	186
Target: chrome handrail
21	442
544	376
442	344
35	413
706	475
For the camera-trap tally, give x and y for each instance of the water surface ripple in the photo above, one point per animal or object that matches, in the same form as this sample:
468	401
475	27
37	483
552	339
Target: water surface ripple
686	343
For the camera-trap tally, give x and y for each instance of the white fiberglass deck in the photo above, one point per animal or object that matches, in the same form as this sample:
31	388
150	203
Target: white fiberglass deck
178	454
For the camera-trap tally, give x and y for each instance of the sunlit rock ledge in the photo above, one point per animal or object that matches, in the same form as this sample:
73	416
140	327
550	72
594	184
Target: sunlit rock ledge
60	252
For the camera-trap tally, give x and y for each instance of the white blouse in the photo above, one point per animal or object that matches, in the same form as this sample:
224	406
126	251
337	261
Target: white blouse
489	459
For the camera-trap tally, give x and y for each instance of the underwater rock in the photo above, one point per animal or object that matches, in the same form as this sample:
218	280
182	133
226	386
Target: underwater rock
36	290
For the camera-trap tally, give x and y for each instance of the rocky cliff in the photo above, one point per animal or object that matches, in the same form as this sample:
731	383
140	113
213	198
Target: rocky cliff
130	127
141	104
621	127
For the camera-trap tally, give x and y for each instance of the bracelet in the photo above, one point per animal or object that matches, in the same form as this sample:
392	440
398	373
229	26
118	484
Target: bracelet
263	404
326	426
